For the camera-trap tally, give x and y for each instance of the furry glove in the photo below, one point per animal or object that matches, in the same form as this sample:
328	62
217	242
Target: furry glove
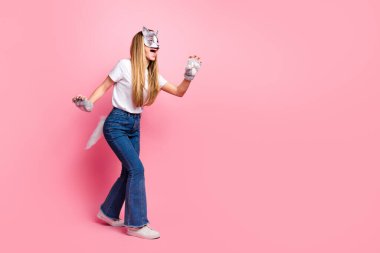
192	67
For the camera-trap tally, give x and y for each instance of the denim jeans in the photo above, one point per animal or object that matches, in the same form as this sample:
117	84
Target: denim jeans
122	132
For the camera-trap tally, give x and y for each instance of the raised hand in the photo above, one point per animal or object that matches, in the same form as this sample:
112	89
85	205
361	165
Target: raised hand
192	67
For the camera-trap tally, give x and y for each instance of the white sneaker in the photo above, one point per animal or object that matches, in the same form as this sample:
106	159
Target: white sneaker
110	221
145	232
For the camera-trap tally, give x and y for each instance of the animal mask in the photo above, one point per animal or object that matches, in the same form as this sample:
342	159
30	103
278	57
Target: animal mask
150	38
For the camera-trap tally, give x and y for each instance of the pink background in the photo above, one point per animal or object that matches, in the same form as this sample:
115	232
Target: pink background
274	148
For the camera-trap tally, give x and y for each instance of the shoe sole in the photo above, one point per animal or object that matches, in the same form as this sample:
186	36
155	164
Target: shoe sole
139	236
104	218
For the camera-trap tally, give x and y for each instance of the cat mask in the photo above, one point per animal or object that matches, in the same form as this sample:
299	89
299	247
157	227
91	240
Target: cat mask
150	38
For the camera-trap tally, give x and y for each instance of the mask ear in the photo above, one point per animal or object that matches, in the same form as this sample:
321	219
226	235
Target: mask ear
144	30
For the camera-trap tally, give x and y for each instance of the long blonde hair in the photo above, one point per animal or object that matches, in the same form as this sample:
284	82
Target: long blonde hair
138	73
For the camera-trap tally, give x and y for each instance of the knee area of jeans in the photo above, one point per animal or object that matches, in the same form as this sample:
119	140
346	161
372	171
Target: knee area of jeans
123	176
136	169
137	172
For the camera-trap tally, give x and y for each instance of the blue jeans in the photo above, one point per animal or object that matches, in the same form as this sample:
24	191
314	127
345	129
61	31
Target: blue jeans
122	132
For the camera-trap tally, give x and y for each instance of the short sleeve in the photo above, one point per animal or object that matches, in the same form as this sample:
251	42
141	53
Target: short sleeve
117	72
161	80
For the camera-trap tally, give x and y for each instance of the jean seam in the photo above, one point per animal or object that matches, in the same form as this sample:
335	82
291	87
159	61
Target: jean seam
129	198
129	191
141	193
114	195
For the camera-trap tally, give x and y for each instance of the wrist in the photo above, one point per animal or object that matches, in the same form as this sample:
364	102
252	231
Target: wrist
188	78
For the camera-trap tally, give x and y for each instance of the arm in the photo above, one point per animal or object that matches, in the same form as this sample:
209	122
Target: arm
87	104
101	89
192	67
179	90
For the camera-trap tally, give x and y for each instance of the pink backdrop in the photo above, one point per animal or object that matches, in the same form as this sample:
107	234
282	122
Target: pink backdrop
274	148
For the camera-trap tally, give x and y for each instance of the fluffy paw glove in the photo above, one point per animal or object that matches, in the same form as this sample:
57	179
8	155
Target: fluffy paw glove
84	104
192	68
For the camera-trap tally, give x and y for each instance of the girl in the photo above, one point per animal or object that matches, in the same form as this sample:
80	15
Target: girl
136	84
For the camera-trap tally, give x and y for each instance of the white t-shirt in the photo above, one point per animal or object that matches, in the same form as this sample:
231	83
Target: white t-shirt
122	91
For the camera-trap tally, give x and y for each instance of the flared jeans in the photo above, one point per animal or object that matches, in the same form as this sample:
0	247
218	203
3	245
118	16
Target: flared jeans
122	132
